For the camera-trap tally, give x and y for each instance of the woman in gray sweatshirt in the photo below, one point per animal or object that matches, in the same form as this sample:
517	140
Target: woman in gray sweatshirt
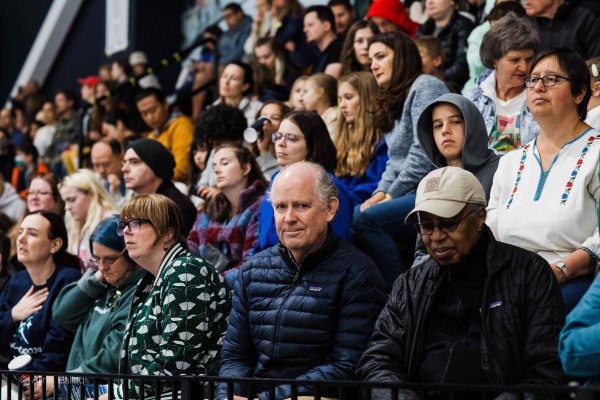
404	92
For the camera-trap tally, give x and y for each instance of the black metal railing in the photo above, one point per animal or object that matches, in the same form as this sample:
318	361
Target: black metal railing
21	386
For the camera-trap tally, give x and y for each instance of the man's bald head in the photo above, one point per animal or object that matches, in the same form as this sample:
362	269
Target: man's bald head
304	199
106	156
320	180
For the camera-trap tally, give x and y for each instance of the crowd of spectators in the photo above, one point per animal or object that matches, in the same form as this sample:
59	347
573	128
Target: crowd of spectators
402	192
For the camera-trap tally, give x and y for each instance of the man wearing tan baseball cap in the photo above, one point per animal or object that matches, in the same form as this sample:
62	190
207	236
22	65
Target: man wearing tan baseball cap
476	311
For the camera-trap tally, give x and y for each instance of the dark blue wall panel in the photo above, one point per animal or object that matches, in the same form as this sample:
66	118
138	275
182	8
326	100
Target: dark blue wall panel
19	24
155	27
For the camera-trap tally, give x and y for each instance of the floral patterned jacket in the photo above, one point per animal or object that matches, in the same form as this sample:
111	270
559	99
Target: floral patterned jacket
177	321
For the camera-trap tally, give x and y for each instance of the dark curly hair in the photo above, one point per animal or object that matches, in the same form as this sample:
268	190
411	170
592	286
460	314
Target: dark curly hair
406	67
221	123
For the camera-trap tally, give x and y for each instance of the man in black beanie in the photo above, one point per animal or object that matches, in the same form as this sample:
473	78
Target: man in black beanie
148	168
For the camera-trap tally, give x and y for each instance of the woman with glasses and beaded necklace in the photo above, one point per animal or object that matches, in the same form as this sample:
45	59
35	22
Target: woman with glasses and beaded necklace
179	309
544	197
303	136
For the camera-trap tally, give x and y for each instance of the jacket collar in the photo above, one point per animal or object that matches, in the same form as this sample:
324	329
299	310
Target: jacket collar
172	117
495	261
162	189
171	255
430	23
311	260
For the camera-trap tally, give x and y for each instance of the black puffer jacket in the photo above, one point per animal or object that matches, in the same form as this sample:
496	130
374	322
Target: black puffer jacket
575	25
521	317
310	321
454	43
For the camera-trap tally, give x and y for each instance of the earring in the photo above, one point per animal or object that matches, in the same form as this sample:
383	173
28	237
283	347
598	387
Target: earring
165	247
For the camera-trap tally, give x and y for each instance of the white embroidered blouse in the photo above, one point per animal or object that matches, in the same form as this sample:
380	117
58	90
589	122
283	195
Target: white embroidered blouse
551	213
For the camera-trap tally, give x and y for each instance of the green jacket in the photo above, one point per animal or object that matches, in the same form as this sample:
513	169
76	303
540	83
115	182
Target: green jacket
177	321
98	314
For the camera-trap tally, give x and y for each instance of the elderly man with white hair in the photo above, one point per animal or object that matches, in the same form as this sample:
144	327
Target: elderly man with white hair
303	309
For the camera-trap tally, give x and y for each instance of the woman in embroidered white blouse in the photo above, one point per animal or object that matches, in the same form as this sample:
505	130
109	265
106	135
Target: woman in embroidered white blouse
544	196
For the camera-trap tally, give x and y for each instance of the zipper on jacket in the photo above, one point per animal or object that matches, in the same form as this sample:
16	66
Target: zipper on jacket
418	337
277	320
494	375
450	354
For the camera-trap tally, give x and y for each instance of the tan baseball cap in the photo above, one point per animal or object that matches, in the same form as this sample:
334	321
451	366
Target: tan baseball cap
444	192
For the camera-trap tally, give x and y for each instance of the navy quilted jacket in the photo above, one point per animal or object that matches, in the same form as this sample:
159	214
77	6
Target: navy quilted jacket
310	321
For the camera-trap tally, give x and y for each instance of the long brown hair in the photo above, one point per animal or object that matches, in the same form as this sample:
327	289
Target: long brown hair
348	57
219	208
406	67
356	143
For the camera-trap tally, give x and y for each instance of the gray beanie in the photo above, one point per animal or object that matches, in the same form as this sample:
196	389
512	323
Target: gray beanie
156	156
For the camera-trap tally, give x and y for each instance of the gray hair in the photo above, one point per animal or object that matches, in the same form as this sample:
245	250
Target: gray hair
509	33
325	187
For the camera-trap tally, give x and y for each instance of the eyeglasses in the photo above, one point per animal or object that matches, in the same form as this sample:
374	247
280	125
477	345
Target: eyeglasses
133	224
287	137
446	225
547	81
106	261
39	193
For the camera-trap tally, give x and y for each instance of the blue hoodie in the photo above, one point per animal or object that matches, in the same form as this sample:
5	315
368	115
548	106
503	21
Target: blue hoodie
579	342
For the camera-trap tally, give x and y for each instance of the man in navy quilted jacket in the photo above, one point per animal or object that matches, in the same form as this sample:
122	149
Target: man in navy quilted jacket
303	309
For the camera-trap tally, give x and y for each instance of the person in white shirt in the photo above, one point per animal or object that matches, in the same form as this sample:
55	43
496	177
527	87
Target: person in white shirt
545	196
507	50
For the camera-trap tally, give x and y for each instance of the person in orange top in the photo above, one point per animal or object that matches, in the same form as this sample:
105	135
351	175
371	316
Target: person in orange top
173	130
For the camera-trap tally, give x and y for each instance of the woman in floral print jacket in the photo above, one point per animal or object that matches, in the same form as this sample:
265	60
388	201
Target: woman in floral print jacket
178	316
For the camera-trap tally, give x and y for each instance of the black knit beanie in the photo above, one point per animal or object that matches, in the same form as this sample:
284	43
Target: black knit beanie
156	156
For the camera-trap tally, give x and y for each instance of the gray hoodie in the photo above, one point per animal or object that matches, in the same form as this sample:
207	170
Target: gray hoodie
476	157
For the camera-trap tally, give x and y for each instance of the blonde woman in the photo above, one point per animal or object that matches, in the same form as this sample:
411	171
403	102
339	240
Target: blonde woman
86	203
361	149
319	94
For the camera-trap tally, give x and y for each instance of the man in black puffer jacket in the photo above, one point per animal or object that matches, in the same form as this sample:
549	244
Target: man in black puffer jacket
476	312
304	309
